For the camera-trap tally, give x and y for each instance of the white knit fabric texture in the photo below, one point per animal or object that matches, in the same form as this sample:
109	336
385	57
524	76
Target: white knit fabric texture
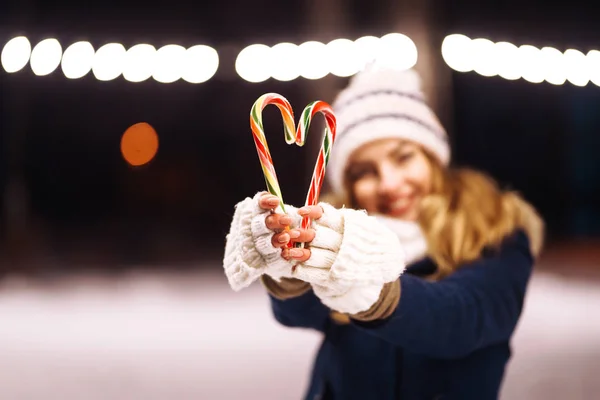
249	252
354	255
410	234
368	109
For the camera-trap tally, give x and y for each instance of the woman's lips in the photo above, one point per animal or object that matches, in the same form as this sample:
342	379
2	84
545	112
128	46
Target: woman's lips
399	207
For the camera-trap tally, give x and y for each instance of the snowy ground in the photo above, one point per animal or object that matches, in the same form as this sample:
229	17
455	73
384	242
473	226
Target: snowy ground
188	336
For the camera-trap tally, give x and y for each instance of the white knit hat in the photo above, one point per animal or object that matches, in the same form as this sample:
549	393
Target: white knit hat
381	103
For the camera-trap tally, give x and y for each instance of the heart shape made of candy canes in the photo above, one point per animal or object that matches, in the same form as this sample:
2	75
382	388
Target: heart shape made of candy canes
293	135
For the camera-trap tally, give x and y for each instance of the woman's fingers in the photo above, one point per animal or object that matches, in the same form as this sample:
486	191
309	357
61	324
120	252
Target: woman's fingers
280	240
267	201
275	222
300	235
278	222
296	254
312	212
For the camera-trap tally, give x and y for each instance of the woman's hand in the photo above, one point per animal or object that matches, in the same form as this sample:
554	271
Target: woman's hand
347	257
280	223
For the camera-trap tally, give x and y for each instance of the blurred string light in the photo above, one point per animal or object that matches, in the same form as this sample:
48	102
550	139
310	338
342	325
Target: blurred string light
15	54
527	62
77	60
139	63
45	57
315	60
108	61
310	60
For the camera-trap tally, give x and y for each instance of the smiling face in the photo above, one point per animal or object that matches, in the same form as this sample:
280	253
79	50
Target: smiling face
390	177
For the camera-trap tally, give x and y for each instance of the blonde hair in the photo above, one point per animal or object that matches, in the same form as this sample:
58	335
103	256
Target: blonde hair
465	214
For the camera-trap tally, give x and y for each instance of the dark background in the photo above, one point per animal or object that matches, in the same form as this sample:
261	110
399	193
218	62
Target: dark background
81	204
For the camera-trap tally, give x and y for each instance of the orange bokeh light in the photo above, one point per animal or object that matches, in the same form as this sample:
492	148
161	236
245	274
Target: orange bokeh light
139	144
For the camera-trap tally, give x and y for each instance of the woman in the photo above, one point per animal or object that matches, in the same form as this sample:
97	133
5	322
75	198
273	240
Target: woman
414	271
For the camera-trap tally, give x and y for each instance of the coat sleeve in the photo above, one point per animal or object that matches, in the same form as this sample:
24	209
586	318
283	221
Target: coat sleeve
304	311
477	306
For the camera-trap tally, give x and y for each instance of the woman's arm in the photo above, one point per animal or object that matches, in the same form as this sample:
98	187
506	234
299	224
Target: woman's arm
476	306
295	305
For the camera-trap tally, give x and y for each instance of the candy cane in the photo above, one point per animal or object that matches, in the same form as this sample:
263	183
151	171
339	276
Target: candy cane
299	139
312	198
260	140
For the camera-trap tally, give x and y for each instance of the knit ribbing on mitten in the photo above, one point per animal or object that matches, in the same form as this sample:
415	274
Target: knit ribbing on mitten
242	262
367	255
348	300
370	253
249	252
276	266
384	306
329	230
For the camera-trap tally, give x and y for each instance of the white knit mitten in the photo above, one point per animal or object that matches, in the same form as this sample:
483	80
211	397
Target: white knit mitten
410	234
352	256
249	252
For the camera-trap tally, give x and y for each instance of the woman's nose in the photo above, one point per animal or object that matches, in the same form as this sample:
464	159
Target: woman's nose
390	180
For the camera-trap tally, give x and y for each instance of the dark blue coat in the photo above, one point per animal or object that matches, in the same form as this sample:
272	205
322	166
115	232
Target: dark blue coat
446	339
